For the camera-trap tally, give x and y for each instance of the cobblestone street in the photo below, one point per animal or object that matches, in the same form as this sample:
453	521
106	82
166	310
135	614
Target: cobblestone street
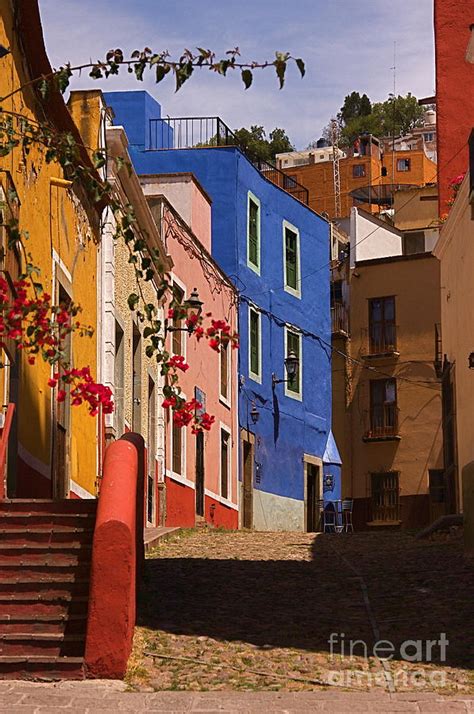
240	622
256	611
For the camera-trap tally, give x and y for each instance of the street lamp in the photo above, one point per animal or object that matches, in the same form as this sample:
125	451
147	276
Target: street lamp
193	307
254	413
292	363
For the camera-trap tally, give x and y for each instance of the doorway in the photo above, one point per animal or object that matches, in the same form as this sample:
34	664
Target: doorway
312	497
247	483
200	474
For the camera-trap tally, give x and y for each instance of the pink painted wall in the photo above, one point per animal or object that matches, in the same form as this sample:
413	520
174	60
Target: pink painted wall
204	364
191	202
454	91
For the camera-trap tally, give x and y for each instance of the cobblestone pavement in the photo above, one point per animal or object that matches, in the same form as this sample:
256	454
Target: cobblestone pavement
98	696
255	611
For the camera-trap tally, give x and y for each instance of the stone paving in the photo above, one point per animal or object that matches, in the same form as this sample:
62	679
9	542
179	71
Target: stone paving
240	622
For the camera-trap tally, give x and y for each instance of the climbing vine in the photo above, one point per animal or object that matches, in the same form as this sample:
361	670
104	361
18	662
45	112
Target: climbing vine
27	315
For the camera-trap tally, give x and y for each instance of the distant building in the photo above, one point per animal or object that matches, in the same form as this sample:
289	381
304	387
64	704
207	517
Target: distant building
370	171
276	251
387	416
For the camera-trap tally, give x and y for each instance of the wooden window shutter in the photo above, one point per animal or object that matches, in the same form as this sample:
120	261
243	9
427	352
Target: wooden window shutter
177	448
253	233
254	343
291	258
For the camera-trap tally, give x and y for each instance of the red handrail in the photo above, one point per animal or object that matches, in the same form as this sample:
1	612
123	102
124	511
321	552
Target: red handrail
4	447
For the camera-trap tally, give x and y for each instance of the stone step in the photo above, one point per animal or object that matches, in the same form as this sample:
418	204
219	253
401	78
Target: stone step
42	643
45	520
50	506
55	534
50	623
41	667
44	584
47	569
33	551
39	604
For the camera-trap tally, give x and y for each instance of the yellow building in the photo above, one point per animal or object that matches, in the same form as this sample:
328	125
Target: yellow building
52	447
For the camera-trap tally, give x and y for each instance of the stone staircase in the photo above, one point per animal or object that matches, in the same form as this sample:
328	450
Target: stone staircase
45	555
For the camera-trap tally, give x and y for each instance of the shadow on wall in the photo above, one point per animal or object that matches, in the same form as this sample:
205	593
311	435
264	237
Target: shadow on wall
298	603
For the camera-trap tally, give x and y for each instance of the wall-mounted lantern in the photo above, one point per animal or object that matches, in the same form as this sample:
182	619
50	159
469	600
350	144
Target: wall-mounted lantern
292	363
193	307
254	413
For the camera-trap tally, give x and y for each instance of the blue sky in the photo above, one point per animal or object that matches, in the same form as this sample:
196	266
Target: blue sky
347	45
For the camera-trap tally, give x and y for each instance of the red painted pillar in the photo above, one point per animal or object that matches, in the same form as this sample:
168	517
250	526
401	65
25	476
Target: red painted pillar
454	91
112	595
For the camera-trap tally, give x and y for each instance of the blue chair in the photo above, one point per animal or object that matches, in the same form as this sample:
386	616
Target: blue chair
328	521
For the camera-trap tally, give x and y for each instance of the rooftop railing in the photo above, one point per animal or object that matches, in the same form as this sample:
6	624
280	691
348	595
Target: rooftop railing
209	132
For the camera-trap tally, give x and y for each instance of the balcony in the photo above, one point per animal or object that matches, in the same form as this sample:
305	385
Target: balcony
380	340
339	319
383	423
210	132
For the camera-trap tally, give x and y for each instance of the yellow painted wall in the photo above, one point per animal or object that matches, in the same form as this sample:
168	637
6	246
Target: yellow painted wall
59	221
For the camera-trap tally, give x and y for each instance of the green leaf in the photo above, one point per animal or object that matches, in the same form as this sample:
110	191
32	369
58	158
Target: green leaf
247	78
161	72
149	350
133	301
280	66
301	66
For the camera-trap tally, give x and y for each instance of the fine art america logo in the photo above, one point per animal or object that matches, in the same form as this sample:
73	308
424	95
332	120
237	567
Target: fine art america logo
411	651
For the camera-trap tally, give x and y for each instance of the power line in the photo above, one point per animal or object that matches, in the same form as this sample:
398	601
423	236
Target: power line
312	335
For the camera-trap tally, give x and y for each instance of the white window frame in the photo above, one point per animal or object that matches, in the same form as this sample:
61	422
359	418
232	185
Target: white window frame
256	377
182	476
226	400
256	268
288	393
184	343
296	293
224	427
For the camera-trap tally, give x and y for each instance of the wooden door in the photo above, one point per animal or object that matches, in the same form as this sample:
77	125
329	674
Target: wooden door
200	474
247	501
312	497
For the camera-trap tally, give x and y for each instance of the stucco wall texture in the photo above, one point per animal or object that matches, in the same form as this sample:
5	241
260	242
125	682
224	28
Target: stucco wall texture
454	95
61	227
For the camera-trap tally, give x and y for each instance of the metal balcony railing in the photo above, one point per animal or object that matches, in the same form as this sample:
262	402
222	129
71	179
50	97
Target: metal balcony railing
438	360
380	340
383	422
208	132
339	319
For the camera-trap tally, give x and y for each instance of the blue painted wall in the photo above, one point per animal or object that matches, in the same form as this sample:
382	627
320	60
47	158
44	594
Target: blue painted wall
287	428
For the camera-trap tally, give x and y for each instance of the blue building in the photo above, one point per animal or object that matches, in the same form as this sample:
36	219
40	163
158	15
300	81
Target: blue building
276	251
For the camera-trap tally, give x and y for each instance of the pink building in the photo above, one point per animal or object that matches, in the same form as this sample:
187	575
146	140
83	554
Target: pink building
200	472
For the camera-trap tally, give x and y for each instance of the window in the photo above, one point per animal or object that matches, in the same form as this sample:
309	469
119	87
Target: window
383	408
293	344
151	450
177	345
255	348
291	239
436	484
289	181
414	242
382	328
358	170
403	164
253	233
225	459
177	449
119	370
224	357
429	136
137	381
385	496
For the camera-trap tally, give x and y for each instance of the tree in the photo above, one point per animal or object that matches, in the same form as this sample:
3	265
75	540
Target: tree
399	115
254	142
355	106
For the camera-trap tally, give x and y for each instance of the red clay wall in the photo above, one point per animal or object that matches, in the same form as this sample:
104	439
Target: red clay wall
220	515
180	504
454	91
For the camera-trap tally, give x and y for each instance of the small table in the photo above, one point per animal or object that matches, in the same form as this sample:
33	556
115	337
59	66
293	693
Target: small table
337	509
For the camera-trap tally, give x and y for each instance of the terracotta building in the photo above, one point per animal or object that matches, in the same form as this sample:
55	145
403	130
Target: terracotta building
453	22
389	433
368	174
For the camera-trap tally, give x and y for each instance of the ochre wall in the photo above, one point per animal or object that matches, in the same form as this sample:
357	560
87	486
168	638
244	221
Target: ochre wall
415	283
